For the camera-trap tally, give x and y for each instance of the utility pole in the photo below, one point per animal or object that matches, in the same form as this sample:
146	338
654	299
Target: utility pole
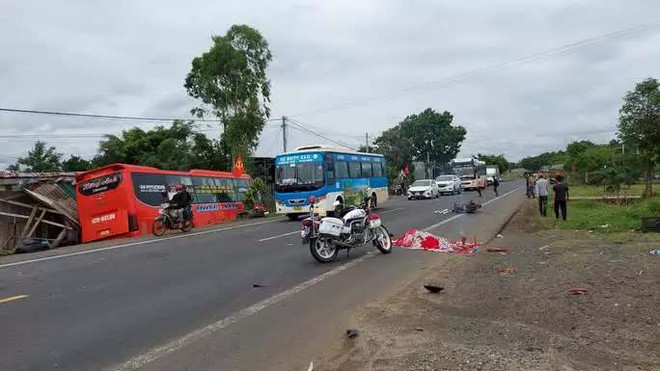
366	135
284	133
428	162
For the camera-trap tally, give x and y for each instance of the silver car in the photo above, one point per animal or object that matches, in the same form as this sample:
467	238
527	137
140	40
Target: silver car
449	184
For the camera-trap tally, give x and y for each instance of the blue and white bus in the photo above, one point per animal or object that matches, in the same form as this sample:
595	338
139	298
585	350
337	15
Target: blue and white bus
329	174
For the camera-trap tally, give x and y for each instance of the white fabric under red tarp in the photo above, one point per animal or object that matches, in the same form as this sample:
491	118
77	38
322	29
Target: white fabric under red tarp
418	240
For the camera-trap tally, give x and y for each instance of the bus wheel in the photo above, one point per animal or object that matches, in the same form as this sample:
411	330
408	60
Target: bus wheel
292	217
158	228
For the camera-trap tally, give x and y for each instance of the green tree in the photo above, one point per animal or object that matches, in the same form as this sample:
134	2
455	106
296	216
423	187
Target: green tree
639	126
535	163
178	147
396	149
502	163
76	163
40	159
432	135
230	80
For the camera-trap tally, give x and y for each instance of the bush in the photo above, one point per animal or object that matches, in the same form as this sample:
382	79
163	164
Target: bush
258	193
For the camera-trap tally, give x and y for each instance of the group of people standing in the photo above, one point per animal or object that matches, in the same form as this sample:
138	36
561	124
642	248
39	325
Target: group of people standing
538	188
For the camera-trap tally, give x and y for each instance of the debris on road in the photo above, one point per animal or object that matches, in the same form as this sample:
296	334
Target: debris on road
502	250
506	271
499	236
578	291
433	288
258	285
655	252
311	366
468	208
351	333
534	349
419	329
442	212
418	240
543	247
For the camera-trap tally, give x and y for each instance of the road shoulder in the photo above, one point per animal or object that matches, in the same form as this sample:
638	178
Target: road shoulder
514	311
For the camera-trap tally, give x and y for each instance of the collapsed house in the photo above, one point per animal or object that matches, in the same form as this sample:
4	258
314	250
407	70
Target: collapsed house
37	211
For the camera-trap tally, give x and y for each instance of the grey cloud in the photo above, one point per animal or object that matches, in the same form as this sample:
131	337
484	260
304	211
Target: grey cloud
130	58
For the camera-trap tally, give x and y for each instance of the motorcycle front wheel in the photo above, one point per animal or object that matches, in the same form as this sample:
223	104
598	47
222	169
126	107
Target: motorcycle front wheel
158	228
383	240
322	250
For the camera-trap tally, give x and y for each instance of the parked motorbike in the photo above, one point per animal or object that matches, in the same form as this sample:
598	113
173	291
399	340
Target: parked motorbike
353	226
167	221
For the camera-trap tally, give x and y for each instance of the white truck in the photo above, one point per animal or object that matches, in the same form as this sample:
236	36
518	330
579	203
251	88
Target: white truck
492	172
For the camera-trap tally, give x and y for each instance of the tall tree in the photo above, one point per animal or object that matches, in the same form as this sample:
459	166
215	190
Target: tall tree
639	125
230	80
76	163
40	159
178	147
396	149
432	135
502	163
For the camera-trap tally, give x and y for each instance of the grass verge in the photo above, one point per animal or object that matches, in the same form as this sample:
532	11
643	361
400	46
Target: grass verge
599	216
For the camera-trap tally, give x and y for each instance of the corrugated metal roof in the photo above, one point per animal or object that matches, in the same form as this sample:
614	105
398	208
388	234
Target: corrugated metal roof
56	198
50	175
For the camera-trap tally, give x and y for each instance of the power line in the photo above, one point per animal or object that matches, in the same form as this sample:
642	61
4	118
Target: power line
447	81
101	116
51	137
301	126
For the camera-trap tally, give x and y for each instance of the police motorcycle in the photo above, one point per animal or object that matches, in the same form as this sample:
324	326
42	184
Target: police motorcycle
348	228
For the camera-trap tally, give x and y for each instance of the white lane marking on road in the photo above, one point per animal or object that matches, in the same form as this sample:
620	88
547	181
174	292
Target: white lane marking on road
427	229
389	211
278	236
191	234
158	352
296	232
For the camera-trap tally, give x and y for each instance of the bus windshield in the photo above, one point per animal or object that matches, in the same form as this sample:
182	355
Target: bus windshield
304	176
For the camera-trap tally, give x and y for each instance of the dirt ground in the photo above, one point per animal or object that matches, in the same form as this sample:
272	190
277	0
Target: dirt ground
520	319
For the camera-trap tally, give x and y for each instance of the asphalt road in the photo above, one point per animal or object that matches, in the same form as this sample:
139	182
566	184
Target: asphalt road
189	302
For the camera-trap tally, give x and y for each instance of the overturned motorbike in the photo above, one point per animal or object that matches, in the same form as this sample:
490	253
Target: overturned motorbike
352	227
169	219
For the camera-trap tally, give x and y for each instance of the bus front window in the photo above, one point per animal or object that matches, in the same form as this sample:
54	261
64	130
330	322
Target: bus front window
299	177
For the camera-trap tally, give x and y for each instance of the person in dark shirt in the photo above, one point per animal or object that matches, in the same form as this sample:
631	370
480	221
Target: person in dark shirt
496	183
181	202
561	197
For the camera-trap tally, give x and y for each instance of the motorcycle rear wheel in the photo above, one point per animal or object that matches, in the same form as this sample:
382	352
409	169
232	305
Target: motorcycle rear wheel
158	228
322	250
383	240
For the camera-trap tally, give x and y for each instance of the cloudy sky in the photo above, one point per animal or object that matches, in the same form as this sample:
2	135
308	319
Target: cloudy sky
341	67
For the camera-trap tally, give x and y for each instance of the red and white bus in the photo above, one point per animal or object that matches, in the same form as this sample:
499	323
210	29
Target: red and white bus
122	200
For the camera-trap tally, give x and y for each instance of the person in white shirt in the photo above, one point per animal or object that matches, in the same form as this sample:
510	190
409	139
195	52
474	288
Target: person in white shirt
541	191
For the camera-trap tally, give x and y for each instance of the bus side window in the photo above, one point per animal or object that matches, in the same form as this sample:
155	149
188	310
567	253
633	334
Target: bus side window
202	190
225	190
354	170
331	171
341	169
378	170
366	170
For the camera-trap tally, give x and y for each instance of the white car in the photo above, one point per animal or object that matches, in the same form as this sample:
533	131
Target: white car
448	184
425	188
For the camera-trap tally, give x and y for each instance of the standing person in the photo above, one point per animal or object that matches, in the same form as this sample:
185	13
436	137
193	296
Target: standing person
530	186
561	197
496	183
541	191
